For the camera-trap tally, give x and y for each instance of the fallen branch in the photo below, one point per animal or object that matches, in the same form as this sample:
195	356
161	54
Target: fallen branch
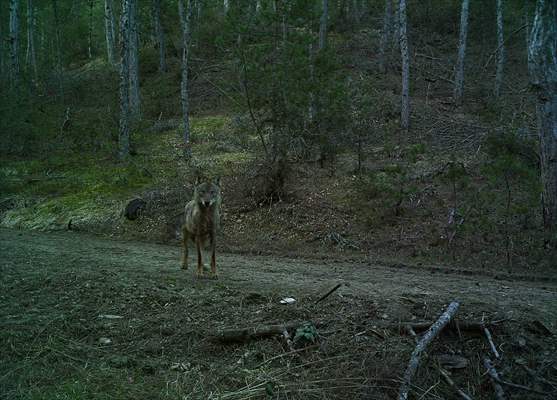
422	345
330	292
453	385
490	340
499	393
453	325
288	340
257	332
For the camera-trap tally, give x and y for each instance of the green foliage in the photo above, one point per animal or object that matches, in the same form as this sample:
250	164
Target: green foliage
307	333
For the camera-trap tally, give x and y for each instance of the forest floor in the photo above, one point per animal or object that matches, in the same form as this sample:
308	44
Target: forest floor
84	317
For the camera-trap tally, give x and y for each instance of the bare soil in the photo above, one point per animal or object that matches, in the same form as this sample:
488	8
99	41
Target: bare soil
91	317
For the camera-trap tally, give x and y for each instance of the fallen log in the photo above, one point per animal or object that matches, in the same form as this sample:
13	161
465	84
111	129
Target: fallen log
239	335
455	325
428	337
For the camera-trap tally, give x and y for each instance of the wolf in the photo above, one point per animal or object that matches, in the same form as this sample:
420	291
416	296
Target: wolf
201	222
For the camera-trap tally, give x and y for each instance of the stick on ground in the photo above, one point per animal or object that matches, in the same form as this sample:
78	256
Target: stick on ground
453	385
499	393
256	332
330	292
422	345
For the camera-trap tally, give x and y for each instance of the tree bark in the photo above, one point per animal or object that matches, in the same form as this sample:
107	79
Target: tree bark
159	33
124	129
109	30
14	42
185	16
542	65
134	96
226	6
31	54
500	49
386	34
323	25
459	77
405	104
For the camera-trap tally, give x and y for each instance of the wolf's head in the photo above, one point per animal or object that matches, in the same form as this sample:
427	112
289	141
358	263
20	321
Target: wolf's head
207	194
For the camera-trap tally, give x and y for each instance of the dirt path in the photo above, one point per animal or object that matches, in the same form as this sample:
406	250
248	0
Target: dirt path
55	286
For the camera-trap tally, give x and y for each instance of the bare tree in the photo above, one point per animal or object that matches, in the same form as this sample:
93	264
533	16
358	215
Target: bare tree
459	77
109	30
90	36
159	33
405	104
31	55
124	129
58	47
386	34
14	42
185	11
134	97
542	63
323	25
500	49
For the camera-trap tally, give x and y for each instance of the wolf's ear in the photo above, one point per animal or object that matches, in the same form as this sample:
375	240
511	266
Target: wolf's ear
217	181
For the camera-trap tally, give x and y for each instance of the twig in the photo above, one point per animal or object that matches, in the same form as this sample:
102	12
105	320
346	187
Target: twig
499	393
453	385
490	340
502	44
256	332
522	387
421	346
536	376
330	292
289	353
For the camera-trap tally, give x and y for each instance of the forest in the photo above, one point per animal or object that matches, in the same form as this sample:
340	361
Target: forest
373	183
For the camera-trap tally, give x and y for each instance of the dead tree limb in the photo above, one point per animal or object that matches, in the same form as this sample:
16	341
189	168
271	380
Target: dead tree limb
431	334
330	292
257	332
499	393
491	344
455	325
453	385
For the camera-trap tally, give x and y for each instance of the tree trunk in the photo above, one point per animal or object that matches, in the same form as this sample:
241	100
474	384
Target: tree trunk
90	36
500	49
159	33
58	47
185	16
405	105
31	54
323	25
459	77
226	6
124	129
386	34
14	42
134	97
109	30
542	64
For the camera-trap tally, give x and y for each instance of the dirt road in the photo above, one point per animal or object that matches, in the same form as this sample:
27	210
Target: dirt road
88	316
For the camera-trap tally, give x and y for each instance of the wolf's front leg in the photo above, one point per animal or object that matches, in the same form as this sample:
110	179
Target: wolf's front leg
213	259
199	256
186	236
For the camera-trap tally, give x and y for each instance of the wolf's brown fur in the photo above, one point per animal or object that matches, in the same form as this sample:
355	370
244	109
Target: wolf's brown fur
202	219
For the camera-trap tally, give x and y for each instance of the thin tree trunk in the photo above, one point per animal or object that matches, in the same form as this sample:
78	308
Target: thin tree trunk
124	129
542	63
258	6
405	104
14	42
134	96
459	78
312	105
226	6
500	49
386	34
58	47
109	30
90	36
31	56
159	33
323	25
185	17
